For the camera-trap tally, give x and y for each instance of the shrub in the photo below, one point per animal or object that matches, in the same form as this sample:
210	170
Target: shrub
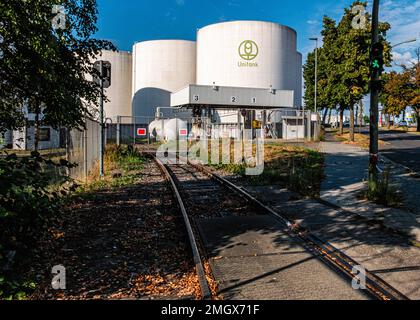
28	198
385	193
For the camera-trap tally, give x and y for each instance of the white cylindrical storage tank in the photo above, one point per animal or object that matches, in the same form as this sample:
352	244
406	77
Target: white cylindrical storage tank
119	93
160	67
172	128
247	54
156	129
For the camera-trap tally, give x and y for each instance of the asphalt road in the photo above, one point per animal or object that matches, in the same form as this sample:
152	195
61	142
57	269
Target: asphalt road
401	147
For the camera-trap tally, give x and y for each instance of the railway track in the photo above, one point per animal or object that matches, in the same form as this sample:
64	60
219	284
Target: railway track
203	194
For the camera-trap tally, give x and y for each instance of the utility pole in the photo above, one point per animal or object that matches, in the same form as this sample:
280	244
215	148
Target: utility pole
375	67
103	78
101	117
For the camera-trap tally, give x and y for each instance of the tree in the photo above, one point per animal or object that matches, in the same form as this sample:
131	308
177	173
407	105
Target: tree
394	93
45	68
345	63
354	65
413	90
402	90
326	82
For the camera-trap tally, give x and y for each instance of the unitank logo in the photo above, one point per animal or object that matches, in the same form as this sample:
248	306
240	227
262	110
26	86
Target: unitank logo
248	50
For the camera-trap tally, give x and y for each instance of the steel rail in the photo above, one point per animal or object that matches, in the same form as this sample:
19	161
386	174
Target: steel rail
376	286
205	290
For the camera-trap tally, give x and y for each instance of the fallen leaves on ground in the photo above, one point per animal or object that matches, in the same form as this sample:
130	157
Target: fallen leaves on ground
120	243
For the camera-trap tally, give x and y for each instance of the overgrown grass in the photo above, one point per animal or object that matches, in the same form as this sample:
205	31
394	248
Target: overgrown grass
384	193
296	168
122	165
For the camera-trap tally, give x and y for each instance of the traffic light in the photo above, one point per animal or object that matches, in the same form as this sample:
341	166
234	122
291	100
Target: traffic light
104	73
376	58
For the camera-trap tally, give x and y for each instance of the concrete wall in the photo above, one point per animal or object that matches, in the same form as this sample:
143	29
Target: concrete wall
273	59
159	68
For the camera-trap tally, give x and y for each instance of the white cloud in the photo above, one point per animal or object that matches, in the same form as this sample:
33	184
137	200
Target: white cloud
180	2
403	15
405	58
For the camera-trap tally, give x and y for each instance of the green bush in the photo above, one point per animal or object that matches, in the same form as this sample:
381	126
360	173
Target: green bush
29	195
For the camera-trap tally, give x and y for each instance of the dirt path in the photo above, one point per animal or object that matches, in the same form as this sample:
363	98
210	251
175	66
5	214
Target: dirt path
127	243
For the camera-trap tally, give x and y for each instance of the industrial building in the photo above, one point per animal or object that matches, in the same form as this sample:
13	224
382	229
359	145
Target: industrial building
257	56
233	74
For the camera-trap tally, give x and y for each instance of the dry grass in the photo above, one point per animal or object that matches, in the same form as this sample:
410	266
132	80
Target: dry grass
403	129
294	167
360	140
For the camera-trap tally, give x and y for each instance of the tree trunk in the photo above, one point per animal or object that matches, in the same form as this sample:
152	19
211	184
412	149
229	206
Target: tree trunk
341	120
388	121
36	131
418	119
36	109
351	134
356	118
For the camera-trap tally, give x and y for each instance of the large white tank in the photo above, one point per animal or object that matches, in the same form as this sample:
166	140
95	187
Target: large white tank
160	67
168	129
156	129
119	93
248	54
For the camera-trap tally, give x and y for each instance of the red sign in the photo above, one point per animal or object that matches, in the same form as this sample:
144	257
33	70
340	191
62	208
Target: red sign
183	132
141	131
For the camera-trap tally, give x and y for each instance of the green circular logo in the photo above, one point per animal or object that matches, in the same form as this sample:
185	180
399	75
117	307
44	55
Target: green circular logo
248	50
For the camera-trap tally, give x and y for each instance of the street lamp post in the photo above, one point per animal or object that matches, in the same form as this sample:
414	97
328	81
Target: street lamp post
404	42
316	85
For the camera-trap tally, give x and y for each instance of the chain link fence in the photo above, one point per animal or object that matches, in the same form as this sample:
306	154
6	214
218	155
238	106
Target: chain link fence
83	149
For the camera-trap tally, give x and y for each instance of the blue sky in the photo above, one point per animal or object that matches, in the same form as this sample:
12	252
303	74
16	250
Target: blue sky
127	21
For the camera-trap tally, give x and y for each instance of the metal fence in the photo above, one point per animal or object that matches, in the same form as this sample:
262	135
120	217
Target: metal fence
125	129
83	149
293	125
283	124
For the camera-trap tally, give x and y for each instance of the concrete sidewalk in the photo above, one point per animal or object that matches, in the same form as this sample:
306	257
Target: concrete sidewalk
345	175
386	254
